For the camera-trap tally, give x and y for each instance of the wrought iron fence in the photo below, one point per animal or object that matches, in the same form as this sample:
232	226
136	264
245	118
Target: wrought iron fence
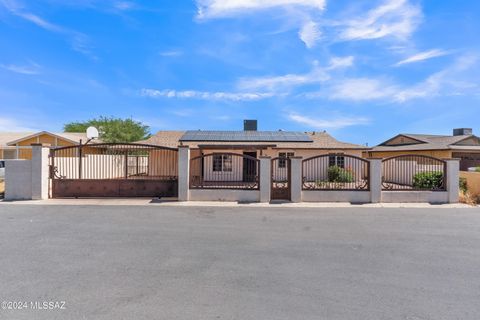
335	172
114	161
413	172
224	171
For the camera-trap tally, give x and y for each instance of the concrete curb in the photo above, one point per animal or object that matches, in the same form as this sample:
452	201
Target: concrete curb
174	203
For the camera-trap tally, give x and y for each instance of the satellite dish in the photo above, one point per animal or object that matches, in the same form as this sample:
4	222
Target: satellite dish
92	133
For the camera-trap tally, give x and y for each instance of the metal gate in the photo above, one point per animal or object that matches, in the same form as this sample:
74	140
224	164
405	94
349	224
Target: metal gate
281	177
114	170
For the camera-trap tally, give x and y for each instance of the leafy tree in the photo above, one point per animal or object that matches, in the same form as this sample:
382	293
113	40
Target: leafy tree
112	129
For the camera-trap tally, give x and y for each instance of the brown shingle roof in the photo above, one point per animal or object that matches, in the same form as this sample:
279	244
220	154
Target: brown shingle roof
10	138
428	142
165	139
6	137
320	140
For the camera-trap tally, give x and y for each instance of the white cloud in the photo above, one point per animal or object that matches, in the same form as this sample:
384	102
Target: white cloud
341	62
394	18
204	95
8	124
361	89
449	81
316	75
79	41
423	56
310	33
31	69
445	82
332	123
208	9
124	5
300	12
171	53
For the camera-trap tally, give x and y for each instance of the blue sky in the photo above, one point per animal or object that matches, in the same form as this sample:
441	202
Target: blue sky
362	70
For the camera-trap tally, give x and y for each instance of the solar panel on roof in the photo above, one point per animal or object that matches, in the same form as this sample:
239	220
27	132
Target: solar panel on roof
246	136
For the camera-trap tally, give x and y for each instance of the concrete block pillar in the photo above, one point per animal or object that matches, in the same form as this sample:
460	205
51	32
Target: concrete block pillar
375	180
265	178
183	173
453	176
18	180
40	171
296	179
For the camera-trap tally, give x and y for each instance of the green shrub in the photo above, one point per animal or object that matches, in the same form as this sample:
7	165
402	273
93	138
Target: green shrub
337	174
477	169
428	180
463	185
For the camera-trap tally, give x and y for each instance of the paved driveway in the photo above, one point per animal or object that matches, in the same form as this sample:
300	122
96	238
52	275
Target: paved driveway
240	263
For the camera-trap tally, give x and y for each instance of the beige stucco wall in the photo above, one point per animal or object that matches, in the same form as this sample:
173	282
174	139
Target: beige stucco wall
307	153
441	154
473	182
237	172
25	151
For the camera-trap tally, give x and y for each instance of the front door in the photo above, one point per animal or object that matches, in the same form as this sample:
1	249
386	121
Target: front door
249	167
281	177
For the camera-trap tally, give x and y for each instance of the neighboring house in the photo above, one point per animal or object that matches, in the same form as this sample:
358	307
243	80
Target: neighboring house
253	143
462	145
17	145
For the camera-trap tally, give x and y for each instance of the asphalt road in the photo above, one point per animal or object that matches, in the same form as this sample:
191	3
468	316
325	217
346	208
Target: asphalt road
240	263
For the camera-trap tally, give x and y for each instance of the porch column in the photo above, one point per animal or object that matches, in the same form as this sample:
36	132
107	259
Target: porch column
453	176
296	179
375	180
183	173
40	171
265	178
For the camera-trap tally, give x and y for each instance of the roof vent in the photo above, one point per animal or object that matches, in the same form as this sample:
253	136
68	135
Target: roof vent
463	132
249	125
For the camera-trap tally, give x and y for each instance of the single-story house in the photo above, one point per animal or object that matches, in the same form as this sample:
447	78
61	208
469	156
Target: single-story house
252	143
462	144
17	145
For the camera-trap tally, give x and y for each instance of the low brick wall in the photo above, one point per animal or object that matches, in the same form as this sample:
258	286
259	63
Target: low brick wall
336	196
224	195
415	196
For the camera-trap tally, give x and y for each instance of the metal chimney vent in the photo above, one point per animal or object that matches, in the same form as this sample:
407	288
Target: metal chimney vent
249	125
463	132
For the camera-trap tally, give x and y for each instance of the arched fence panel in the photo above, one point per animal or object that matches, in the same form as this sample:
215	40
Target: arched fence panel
225	171
336	172
413	172
114	169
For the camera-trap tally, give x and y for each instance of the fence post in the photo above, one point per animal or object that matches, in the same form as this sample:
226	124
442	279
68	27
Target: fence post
265	178
453	176
375	180
183	173
40	172
296	179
